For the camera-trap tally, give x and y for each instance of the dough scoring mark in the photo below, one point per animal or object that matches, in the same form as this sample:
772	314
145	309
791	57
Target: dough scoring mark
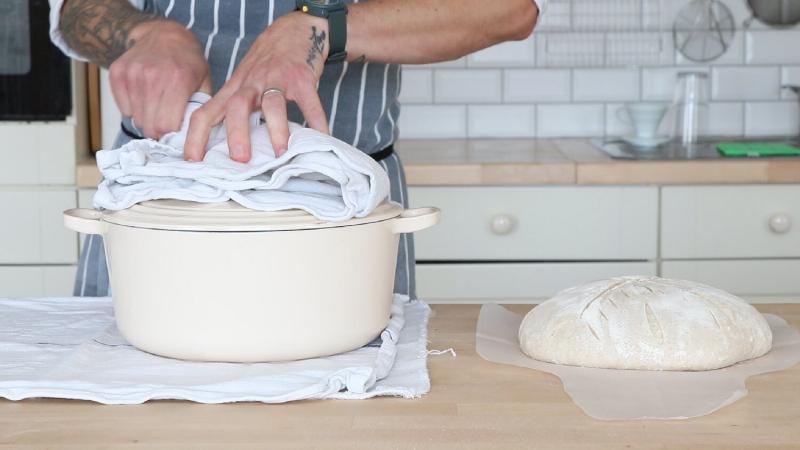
653	323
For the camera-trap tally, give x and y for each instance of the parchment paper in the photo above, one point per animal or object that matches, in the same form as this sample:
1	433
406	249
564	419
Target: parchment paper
610	394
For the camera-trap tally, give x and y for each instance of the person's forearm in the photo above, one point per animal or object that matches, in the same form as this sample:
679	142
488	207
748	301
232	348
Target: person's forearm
425	31
100	30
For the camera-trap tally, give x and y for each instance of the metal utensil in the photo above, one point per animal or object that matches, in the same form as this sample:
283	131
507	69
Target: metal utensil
777	13
703	30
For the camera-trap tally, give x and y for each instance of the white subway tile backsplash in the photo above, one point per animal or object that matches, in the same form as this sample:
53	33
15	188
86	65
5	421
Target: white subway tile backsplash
433	121
586	59
745	83
467	86
772	47
505	121
659	83
605	84
772	119
508	54
570	120
417	86
537	85
725	119
790	76
455	63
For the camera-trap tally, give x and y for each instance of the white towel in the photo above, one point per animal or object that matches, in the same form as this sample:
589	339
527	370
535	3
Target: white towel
319	174
69	348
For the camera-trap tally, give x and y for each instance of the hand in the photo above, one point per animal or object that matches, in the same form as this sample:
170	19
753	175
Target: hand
289	56
156	75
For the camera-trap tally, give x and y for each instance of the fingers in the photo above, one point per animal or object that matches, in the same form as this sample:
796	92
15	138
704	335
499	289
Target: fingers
119	87
205	86
151	84
136	96
171	108
273	105
200	124
308	101
237	123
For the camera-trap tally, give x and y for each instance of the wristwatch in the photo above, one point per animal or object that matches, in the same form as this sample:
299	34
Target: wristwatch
335	11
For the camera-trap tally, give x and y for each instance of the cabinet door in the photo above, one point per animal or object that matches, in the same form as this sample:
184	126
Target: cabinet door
513	282
37	153
36	281
539	223
730	221
747	278
32	228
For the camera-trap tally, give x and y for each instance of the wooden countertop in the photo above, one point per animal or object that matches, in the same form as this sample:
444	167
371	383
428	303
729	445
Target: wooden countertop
472	404
551	161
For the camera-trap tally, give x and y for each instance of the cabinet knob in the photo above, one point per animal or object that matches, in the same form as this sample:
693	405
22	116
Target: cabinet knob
502	224
780	223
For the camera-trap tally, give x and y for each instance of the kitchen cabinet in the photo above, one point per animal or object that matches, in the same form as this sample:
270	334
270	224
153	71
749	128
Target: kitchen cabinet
540	223
527	243
757	280
36	281
515	282
524	243
730	221
32	230
37	254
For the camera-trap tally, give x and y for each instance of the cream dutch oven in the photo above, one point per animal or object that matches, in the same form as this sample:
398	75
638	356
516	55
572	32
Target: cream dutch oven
219	282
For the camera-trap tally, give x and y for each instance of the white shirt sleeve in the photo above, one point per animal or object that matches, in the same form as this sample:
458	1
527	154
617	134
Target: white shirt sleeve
541	4
55	32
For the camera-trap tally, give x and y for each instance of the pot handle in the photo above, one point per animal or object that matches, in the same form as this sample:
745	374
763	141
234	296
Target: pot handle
416	219
85	220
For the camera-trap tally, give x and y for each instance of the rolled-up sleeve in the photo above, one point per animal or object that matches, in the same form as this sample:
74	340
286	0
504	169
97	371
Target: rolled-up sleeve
541	5
55	30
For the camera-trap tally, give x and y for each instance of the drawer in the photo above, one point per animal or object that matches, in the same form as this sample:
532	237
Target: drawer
32	230
513	282
748	278
539	223
730	221
36	281
37	153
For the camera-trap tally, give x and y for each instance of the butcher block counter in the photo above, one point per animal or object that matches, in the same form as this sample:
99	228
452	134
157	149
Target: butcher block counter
435	162
472	404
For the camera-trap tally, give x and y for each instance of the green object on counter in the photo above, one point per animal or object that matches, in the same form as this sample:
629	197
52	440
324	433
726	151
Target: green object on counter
751	149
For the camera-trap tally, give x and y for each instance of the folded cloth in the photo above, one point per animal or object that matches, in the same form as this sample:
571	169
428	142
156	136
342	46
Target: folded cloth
69	348
319	174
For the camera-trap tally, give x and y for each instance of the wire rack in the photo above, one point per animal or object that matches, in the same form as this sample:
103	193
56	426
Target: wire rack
604	33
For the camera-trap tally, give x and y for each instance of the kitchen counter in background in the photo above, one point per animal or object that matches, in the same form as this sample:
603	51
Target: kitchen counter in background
436	162
472	404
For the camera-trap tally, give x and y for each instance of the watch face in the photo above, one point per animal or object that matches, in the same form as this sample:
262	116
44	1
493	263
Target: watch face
325	2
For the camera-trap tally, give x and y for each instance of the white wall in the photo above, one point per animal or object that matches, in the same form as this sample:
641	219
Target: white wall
569	78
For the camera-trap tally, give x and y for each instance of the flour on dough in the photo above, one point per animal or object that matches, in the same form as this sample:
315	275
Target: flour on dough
646	323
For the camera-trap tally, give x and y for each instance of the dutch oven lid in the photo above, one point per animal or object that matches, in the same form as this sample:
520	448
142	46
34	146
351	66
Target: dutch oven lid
182	215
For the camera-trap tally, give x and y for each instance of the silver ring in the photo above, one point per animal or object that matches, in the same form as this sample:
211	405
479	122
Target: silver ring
271	91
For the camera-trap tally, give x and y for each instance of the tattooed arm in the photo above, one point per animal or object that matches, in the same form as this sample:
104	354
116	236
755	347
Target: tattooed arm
154	64
100	30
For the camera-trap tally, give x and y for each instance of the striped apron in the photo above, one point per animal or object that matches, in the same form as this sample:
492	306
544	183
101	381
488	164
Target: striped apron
360	100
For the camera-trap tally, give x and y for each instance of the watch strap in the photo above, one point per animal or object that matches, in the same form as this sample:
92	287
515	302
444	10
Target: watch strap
337	35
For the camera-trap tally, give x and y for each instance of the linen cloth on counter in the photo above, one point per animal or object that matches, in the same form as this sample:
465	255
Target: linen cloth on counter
319	174
69	348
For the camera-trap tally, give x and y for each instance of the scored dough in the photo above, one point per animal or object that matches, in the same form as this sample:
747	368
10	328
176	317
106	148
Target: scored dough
646	323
